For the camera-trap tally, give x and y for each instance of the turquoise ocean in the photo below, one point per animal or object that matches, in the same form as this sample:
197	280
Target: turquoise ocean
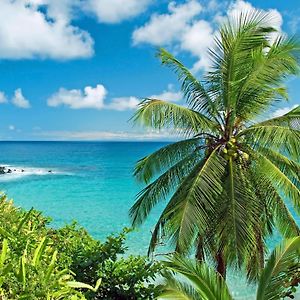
90	182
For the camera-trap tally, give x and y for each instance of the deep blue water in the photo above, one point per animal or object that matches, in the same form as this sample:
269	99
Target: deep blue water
90	182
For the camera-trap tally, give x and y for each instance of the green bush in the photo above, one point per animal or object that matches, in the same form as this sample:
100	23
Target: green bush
35	275
71	262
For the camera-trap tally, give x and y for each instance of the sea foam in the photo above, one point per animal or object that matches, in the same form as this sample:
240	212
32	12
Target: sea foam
21	171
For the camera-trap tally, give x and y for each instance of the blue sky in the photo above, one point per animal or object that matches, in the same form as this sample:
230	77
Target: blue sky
75	69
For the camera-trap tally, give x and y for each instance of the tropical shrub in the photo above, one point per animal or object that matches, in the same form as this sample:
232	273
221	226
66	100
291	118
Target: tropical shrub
279	279
129	277
35	275
40	262
227	182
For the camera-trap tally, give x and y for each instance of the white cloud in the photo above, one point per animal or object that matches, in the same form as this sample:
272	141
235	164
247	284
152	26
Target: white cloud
185	27
27	32
3	98
19	100
168	95
185	31
77	99
127	103
166	28
95	98
197	39
11	127
240	6
116	11
123	103
282	111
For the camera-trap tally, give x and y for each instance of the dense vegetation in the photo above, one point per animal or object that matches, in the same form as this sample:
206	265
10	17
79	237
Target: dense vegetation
235	176
38	262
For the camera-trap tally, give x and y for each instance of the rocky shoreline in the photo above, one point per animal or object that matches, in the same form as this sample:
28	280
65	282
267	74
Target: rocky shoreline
9	170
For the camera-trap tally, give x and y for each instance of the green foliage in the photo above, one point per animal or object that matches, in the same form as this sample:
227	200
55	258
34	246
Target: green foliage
121	277
226	184
128	277
279	279
36	275
38	262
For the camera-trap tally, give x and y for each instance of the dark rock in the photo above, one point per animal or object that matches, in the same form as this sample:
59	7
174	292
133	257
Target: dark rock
2	170
23	170
9	171
50	171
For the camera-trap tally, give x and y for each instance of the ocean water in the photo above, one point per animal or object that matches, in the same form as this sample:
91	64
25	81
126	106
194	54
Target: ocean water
90	182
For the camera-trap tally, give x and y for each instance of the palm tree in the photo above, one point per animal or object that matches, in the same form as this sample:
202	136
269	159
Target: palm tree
196	280
227	179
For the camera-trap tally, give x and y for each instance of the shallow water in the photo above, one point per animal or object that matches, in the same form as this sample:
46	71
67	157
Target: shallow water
90	182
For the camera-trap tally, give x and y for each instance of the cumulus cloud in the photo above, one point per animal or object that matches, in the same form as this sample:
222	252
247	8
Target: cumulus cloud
282	111
19	100
196	40
123	103
127	103
166	28
77	99
276	20
186	31
185	27
11	127
43	28
3	98
168	95
94	98
240	6
27	32
115	11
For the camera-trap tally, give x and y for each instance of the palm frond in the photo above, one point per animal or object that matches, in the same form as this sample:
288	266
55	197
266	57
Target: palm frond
209	284
233	54
194	91
238	215
276	212
282	264
164	158
158	114
159	189
284	221
177	290
287	166
263	82
279	138
279	180
188	210
290	120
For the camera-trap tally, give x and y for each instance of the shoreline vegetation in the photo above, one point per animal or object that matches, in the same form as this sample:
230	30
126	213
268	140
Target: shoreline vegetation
39	262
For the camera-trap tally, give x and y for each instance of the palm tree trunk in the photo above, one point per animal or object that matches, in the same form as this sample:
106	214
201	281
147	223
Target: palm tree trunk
260	250
221	264
200	251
